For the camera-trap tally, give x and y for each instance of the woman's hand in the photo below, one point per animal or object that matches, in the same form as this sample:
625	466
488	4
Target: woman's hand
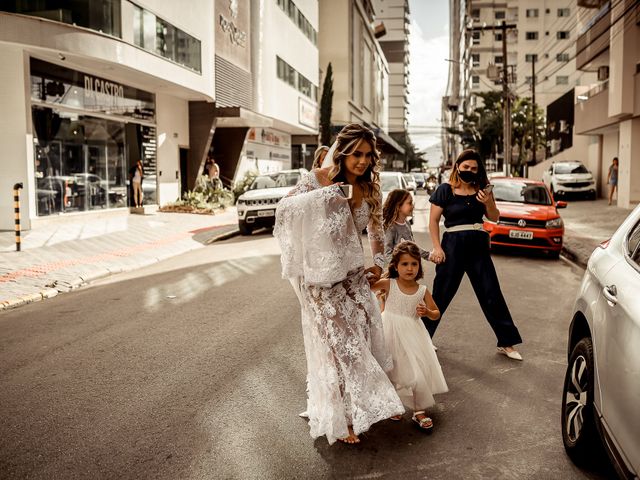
437	255
486	198
373	274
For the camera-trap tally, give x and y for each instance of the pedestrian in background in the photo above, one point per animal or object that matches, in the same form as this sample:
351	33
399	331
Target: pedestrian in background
416	373
463	201
612	178
318	156
212	170
136	174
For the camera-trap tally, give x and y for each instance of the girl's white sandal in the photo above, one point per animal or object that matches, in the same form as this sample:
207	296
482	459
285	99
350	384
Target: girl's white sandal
425	423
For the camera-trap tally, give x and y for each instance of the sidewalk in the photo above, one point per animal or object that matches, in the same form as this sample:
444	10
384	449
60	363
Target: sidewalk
587	224
64	255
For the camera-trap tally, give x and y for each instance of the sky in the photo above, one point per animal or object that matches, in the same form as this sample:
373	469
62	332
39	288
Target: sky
428	70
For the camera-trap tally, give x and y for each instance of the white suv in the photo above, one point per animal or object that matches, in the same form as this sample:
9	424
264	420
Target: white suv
569	177
257	206
601	394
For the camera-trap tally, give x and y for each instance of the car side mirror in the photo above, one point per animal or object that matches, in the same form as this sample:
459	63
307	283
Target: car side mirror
561	204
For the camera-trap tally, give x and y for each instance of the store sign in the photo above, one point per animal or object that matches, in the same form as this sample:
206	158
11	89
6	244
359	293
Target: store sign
56	85
307	113
232	32
267	136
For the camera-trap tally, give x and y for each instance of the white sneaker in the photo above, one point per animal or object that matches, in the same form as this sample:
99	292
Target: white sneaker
513	355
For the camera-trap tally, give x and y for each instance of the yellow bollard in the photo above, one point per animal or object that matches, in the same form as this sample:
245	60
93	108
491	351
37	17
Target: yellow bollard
16	210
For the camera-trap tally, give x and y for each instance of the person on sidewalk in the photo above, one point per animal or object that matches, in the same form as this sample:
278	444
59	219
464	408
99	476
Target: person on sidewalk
463	201
612	178
136	174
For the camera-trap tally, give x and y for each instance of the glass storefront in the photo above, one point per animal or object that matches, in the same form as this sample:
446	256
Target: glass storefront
84	162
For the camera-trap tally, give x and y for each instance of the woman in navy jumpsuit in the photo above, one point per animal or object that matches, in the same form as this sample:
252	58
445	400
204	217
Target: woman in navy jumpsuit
465	248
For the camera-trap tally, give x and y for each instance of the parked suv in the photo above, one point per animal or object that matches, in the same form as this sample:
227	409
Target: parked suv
601	394
570	177
257	206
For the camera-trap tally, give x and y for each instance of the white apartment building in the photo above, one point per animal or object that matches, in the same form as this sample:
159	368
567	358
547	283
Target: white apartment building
395	17
91	87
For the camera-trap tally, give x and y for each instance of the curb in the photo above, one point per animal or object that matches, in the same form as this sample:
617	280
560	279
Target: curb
223	236
574	257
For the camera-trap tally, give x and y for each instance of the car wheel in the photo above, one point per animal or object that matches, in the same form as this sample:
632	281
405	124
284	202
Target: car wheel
554	254
579	431
244	228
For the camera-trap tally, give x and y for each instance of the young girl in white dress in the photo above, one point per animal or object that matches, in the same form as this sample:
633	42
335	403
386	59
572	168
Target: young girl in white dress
416	372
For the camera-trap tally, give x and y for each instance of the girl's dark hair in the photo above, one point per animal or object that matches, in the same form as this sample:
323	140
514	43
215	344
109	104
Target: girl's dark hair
408	248
392	204
469	154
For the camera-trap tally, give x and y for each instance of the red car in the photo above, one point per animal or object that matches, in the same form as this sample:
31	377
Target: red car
528	216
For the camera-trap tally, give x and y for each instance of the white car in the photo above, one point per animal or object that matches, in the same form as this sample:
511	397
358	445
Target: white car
257	206
569	177
411	182
601	394
390	181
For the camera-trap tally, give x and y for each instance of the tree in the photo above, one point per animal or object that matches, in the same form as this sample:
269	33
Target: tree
413	156
482	128
326	103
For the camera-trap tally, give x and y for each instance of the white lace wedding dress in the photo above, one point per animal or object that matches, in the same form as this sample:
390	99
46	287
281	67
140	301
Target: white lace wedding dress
322	256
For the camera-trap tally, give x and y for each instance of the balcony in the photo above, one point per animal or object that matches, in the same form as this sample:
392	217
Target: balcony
594	38
591	3
591	110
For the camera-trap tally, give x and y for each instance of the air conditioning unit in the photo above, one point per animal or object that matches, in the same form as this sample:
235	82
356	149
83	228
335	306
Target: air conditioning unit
603	73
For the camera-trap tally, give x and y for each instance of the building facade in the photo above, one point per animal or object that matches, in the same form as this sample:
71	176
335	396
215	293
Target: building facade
607	112
92	87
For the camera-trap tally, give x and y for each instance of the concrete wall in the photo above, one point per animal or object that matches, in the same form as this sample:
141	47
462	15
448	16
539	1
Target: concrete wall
172	133
629	166
17	146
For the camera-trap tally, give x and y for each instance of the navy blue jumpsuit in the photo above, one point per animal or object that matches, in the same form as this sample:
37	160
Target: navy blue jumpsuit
468	252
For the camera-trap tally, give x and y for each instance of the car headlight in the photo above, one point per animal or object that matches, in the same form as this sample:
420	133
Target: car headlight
554	223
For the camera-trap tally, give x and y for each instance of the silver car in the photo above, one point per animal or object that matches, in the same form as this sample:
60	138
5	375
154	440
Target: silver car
601	395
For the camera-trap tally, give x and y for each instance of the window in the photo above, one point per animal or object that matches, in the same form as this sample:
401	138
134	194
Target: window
633	245
562	57
475	60
476	38
563	12
532	13
161	37
562	35
562	80
497	59
475	14
500	15
292	11
288	74
475	80
531	35
497	37
531	57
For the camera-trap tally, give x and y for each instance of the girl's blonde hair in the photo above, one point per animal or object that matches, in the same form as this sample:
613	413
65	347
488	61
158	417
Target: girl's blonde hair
392	205
347	142
405	248
317	156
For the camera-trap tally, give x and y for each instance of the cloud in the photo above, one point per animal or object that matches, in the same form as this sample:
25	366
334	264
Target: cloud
428	73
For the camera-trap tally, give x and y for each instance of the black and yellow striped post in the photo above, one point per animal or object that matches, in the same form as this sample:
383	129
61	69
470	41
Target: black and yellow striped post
16	211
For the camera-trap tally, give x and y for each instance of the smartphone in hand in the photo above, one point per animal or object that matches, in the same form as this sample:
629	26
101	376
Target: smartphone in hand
347	190
488	189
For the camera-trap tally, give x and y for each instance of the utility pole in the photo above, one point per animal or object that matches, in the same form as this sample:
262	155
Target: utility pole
533	104
506	99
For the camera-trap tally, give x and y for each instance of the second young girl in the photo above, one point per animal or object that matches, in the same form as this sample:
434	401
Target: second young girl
416	372
396	209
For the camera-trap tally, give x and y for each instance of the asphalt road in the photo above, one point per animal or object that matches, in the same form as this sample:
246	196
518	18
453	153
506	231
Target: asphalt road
194	368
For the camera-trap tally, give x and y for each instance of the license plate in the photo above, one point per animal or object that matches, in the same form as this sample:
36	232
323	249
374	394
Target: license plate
521	234
266	213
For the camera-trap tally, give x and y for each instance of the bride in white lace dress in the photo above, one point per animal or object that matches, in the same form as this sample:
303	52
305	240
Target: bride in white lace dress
319	232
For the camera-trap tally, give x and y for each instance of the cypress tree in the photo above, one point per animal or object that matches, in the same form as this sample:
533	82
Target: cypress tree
326	107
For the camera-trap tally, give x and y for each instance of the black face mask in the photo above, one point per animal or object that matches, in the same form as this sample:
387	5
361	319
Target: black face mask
467	176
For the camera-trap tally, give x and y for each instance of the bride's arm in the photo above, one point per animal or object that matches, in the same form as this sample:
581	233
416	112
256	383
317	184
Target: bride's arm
376	240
